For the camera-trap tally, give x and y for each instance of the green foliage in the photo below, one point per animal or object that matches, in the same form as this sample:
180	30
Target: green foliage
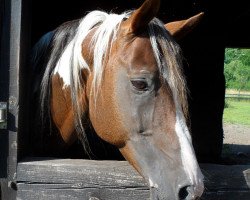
237	69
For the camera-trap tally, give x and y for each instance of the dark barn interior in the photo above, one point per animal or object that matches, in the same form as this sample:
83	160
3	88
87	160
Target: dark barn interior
22	23
224	25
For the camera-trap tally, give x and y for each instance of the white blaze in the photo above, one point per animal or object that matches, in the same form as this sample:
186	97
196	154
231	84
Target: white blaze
187	153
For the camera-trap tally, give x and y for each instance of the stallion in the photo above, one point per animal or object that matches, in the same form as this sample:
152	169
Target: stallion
122	74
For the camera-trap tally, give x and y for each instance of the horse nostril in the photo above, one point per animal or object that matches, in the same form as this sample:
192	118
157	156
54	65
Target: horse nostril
183	193
187	192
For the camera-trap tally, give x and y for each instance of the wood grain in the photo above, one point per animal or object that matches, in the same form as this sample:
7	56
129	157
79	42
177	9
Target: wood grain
92	180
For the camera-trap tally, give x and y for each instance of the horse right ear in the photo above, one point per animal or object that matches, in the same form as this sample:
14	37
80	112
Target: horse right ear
179	29
141	17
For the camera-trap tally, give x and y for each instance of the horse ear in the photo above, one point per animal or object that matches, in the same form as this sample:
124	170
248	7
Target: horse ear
143	15
179	29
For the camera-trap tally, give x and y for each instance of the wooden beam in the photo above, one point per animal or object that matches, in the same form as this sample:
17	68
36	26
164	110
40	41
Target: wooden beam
10	65
92	180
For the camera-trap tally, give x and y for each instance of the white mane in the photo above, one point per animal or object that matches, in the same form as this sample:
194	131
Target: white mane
72	58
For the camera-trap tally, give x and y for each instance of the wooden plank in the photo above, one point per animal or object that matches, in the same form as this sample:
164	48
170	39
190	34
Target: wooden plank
79	179
86	179
219	177
87	193
11	64
14	64
80	173
227	195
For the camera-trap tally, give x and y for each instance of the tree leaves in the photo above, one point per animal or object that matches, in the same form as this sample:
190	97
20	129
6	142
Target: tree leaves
237	69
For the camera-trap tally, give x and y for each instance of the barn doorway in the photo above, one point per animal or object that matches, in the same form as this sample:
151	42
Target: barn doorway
236	118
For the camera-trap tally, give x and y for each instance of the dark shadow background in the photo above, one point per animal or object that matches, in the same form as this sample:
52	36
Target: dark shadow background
224	25
236	154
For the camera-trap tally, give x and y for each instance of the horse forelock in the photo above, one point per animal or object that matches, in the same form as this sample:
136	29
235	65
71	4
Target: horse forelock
169	60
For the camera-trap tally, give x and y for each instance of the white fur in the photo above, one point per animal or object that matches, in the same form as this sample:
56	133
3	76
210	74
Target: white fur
187	152
63	66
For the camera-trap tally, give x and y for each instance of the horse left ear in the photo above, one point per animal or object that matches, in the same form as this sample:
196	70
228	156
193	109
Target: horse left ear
140	18
179	29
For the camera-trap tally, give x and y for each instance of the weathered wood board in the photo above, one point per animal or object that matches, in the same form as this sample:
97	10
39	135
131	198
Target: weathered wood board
79	179
113	180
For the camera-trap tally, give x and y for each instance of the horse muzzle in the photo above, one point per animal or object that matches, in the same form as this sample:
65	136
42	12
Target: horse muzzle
165	173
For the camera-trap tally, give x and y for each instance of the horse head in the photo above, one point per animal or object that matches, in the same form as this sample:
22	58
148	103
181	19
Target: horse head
124	75
138	102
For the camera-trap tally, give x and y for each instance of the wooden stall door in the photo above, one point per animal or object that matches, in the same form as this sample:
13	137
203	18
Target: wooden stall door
10	33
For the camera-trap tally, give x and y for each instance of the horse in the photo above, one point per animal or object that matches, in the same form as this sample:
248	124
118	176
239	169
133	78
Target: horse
122	73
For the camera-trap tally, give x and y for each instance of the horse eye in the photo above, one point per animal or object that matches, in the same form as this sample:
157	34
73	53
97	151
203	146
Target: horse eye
140	84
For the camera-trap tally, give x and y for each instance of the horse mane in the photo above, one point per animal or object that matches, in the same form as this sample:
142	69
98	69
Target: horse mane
68	48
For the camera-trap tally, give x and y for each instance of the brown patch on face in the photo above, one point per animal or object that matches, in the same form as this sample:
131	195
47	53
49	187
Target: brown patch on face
164	103
136	53
138	56
165	109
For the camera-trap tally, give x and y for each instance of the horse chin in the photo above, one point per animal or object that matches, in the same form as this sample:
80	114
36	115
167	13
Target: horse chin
156	194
